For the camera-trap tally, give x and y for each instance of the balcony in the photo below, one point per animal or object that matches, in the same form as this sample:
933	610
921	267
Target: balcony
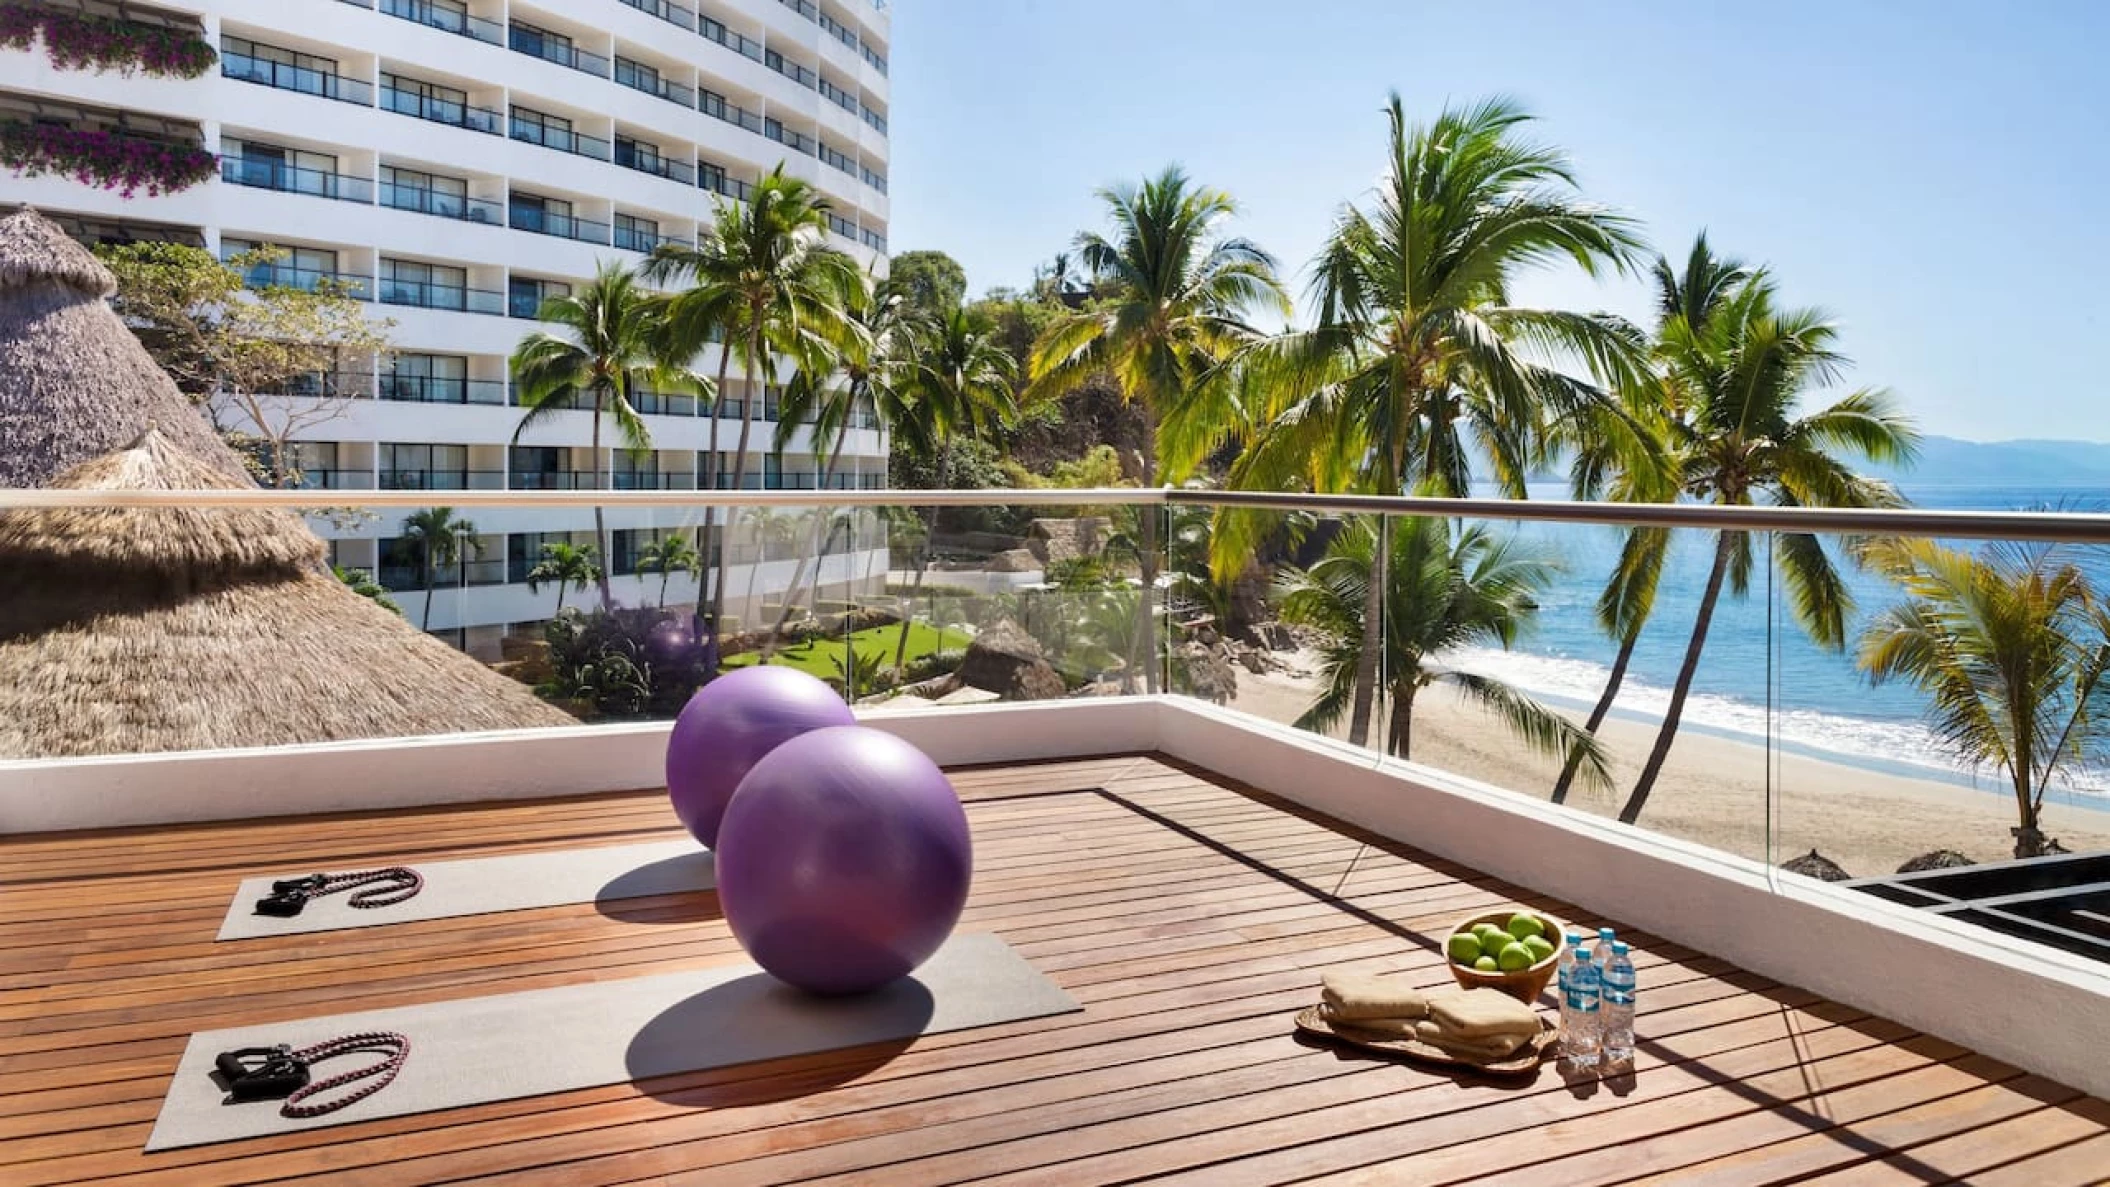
300	79
648	80
438	389
563	226
1184	872
292	179
441	204
746	47
564	140
442	111
794	140
446	20
309	280
649	160
555	480
718	107
640	240
549	48
442	479
673	14
420	294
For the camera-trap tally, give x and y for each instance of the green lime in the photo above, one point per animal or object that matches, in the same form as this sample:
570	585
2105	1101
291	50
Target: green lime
1540	947
1486	964
1464	947
1524	926
1515	957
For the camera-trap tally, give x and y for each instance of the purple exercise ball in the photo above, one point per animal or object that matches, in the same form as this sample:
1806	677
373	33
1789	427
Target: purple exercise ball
846	860
728	726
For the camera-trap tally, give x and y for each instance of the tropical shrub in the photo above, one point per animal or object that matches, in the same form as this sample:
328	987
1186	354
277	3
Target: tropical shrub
624	662
111	160
76	40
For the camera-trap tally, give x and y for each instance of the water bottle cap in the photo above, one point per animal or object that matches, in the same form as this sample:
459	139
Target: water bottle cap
1619	947
1575	940
1604	933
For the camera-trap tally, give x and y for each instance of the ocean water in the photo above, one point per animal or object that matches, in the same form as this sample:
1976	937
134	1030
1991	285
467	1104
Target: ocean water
1820	704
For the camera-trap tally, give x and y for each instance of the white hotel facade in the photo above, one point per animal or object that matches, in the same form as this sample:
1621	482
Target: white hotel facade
456	161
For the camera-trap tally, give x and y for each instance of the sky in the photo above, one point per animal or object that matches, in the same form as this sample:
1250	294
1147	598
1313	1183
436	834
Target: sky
1932	174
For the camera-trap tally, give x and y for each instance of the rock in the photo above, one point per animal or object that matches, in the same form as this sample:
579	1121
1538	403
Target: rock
1816	865
1253	661
1004	659
1013	560
1940	859
1206	673
1054	540
968	696
1277	636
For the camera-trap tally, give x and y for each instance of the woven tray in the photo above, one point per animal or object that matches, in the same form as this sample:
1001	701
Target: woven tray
1526	1060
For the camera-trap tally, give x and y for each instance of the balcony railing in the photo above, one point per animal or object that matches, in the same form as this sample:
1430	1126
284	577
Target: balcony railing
292	179
441	204
562	139
552	480
333	479
872	56
838	96
640	481
838	160
744	46
436	389
802	75
308	280
874	179
424	294
643	78
732	187
301	79
563	226
446	20
663	403
673	14
639	239
442	111
876	120
527	305
535	45
442	479
628	156
793	140
349	385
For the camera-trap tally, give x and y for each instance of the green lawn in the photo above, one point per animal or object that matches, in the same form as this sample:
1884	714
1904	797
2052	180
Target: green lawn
820	657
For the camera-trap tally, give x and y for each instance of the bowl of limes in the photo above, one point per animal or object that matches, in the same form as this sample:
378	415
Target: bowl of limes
1515	951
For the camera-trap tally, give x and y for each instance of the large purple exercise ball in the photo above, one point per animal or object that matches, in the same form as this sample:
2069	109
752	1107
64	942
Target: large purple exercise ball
846	860
728	726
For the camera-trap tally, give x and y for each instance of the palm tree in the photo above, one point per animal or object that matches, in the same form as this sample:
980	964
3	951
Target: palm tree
670	554
960	384
1179	293
762	281
2012	648
1736	439
439	535
1440	589
1418	354
616	341
567	566
873	361
1642	475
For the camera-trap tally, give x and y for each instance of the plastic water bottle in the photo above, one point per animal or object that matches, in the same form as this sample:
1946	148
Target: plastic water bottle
1581	1038
1601	952
1618	1013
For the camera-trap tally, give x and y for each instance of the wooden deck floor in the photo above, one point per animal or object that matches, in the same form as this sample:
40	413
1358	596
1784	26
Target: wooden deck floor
1189	917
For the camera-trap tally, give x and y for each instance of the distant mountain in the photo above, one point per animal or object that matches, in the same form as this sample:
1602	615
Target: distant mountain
1949	461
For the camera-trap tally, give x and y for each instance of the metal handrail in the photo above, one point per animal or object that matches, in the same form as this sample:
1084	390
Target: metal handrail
2078	527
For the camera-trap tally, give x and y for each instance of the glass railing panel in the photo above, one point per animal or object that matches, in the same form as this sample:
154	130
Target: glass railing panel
441	204
291	179
564	226
442	111
1948	749
446	19
563	140
287	77
673	14
551	49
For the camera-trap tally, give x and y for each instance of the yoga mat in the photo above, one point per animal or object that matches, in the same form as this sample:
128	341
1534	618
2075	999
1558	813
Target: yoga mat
477	1050
484	885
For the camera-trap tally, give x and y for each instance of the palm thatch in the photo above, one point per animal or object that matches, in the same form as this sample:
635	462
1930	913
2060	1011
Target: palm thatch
137	630
1939	859
74	382
1816	865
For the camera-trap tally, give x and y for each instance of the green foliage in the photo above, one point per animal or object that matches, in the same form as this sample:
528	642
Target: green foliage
819	656
566	566
1442	589
624	662
2012	649
932	282
859	674
76	40
672	553
361	582
438	535
1101	467
1076	573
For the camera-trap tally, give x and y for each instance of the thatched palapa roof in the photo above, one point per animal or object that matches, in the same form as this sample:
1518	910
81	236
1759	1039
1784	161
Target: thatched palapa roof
74	382
136	630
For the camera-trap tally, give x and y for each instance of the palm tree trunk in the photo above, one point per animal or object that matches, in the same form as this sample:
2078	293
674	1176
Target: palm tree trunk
600	513
707	632
747	425
798	575
1401	743
425	623
1370	649
1723	546
664	574
1597	714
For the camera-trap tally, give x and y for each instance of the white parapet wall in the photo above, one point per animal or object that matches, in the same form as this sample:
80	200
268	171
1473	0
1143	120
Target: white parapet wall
2035	1007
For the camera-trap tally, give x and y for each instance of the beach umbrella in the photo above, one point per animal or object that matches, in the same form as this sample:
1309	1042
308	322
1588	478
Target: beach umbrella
1939	859
1816	865
74	382
129	630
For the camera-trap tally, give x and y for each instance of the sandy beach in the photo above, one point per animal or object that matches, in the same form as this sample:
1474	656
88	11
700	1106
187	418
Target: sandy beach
1713	789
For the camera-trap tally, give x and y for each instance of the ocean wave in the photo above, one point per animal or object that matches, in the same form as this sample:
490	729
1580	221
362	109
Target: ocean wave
1855	740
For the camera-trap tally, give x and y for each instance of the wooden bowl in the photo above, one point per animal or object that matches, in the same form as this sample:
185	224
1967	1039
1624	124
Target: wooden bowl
1525	984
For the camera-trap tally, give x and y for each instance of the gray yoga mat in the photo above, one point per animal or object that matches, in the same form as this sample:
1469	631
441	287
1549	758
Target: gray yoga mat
484	885
478	1050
